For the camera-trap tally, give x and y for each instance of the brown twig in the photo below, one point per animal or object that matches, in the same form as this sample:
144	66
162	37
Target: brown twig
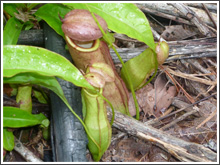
189	106
190	98
196	87
201	68
171	77
181	109
156	21
207	119
6	15
182	117
210	16
191	77
211	88
168	111
156	35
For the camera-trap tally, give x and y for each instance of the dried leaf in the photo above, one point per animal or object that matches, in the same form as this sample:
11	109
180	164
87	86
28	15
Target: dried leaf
158	155
126	150
24	16
177	32
142	96
146	97
164	95
9	89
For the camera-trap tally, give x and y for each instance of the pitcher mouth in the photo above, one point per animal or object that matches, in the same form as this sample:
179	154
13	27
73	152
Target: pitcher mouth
87	46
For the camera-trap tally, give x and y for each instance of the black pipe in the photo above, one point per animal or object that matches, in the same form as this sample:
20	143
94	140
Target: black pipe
70	139
31	37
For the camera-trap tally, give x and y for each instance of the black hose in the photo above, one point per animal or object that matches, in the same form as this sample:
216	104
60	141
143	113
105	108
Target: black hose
68	135
31	37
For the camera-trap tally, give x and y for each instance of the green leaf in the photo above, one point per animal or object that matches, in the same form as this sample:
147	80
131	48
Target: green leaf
48	82
12	31
44	121
139	68
24	97
110	36
28	25
20	59
49	13
46	133
31	5
8	140
16	118
10	8
39	96
32	78
44	81
123	18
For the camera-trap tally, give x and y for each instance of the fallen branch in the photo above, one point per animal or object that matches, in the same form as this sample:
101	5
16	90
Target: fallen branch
196	48
210	6
169	12
164	15
192	56
25	152
184	151
192	16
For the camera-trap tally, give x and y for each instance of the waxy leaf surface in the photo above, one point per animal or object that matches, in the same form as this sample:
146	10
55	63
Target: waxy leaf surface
19	59
16	118
8	140
12	31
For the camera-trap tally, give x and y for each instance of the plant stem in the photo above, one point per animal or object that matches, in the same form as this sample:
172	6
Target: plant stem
129	82
113	111
122	62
